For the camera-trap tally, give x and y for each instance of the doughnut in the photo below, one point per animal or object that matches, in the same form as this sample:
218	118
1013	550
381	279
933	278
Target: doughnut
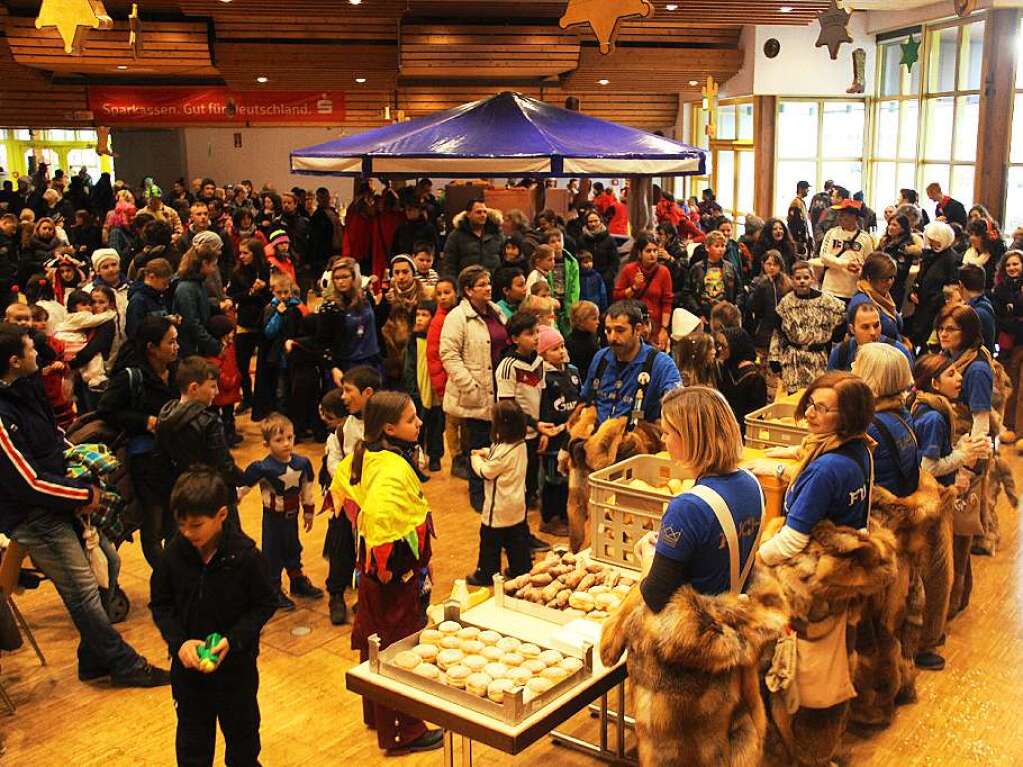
428	670
529	651
535	665
509	644
554	673
456	676
512	659
551	657
491	653
448	658
449	627
450	642
489	637
471	646
469	632
539	685
571	665
407	660
474	663
431	636
496	670
497	688
427	652
519	676
477	684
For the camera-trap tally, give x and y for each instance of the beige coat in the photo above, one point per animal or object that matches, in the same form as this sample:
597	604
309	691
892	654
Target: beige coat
465	354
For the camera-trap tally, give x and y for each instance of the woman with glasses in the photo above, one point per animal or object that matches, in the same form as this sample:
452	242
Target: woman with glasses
961	340
875	286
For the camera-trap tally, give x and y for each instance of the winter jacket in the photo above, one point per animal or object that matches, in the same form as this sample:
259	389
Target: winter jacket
605	255
904	250
988	325
464	248
249	305
582	348
592	288
231	595
410	233
347	337
700	296
657	293
572	293
193	304
763	305
503	470
34	256
10	248
1008	302
32	467
360	222
190	433
229	384
143	301
119	405
987	260
279	327
467	357
438	375
951	210
936	271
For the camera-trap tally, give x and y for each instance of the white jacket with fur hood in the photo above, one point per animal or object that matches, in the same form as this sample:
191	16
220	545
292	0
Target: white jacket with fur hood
465	354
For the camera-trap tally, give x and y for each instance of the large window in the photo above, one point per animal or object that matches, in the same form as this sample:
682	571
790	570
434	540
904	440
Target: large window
817	140
732	160
1013	214
925	121
67	149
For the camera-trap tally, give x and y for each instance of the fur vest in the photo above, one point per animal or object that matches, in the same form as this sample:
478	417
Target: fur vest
695	673
888	633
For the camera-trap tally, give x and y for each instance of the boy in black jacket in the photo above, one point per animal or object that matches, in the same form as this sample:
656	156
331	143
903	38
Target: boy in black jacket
212	579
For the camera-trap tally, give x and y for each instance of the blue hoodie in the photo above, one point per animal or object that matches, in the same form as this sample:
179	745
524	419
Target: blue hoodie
592	288
988	326
143	301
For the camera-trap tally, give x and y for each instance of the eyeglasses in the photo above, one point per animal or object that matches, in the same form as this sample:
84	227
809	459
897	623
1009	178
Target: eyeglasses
820	408
949	329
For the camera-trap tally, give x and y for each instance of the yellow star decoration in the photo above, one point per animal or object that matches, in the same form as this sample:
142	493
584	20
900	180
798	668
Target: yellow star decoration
73	19
603	16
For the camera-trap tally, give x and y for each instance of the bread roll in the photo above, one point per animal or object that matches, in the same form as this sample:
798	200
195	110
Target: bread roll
535	665
580	600
596	591
512	659
571	665
448	658
474	663
469	632
450	642
529	650
554	673
471	647
509	644
407	660
456	676
492	653
608	602
519	676
539	685
496	670
477	684
551	657
449	627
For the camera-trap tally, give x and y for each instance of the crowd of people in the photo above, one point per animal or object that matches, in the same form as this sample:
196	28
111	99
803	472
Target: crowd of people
142	323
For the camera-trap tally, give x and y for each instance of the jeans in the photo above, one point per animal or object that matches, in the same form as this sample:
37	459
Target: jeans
479	436
339	550
56	550
514	541
202	702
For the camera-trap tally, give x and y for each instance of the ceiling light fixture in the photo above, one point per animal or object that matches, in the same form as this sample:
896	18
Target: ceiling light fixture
360	79
355	2
262	79
786	9
693	83
603	82
122	66
671	7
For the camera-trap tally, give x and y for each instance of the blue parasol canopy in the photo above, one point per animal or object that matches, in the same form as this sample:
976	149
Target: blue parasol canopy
505	135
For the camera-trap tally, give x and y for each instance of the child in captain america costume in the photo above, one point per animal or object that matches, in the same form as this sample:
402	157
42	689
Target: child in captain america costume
286	483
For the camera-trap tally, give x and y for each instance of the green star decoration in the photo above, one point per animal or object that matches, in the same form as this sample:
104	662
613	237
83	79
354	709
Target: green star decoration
910	53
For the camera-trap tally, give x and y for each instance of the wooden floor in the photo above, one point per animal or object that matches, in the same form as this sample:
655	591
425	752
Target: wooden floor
967	715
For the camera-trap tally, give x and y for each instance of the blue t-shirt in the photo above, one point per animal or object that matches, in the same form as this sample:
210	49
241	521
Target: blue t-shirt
978	386
889	327
843	354
886	466
616	390
692	536
935	438
988	325
833	487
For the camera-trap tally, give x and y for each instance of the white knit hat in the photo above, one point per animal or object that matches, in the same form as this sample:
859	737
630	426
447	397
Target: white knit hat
104	254
941	233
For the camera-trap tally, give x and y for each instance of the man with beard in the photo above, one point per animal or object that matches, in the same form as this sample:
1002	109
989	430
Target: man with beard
628	365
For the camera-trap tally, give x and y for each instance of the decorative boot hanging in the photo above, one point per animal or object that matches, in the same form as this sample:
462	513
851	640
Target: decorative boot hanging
859	61
603	16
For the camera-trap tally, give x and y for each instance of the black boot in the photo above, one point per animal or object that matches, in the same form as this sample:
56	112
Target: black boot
301	586
338	610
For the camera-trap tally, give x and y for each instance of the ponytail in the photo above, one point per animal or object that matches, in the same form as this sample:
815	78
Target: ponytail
383	408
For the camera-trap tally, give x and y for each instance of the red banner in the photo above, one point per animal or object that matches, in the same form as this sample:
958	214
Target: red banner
118	105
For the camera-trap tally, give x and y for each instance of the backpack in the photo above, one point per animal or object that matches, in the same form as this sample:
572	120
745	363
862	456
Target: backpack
90	428
648	366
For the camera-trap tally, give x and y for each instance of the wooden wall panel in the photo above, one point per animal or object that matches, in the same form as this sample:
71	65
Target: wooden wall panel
305	68
169	48
508	51
650	69
29	100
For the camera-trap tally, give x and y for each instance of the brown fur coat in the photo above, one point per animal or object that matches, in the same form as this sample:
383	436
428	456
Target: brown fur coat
694	669
888	634
592	448
838	570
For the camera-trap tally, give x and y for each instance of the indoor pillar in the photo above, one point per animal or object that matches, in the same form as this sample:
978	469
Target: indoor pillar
994	132
765	115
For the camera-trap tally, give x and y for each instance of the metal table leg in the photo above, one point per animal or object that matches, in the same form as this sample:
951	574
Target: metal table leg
601	750
464	745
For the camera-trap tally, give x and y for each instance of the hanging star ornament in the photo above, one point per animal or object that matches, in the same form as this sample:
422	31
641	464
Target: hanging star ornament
73	19
910	53
135	31
603	16
833	22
